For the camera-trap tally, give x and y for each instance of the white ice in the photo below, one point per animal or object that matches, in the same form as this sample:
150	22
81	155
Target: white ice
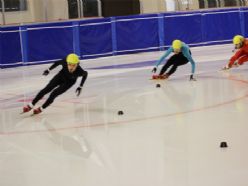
168	136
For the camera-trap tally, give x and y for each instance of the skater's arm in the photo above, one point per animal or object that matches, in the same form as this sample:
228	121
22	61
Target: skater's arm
84	77
55	64
164	56
237	55
191	60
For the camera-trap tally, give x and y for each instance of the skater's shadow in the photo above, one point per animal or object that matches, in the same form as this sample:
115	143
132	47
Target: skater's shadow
180	99
233	76
77	144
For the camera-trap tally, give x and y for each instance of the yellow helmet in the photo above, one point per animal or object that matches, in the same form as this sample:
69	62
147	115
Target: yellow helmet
177	44
72	59
238	39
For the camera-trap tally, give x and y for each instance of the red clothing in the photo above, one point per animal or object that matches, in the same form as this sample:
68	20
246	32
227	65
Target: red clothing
241	55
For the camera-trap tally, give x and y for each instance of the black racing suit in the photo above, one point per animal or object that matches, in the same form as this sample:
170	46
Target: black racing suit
60	83
174	61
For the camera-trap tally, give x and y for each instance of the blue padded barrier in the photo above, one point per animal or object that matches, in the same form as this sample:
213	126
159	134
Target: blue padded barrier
11	50
96	38
92	38
137	34
244	21
48	42
221	26
186	28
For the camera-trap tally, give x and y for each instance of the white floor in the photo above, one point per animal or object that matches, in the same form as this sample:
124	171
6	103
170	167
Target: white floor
168	136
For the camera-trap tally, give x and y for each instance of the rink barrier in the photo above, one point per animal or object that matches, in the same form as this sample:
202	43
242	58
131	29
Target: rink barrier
92	38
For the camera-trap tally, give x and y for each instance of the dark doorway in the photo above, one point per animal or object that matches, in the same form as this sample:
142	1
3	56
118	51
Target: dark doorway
120	7
230	3
14	5
90	8
201	4
212	4
73	9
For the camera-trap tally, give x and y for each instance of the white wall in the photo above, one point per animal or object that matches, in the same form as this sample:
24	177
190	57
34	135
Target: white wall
20	16
37	12
57	10
152	6
188	5
50	10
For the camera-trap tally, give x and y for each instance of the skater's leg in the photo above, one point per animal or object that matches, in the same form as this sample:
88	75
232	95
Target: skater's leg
49	87
172	70
55	93
168	64
180	60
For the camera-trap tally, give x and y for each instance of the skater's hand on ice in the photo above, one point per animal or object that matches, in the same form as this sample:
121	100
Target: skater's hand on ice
78	91
45	73
154	70
226	67
192	78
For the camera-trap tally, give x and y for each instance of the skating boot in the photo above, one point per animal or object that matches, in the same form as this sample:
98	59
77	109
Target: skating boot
164	76
37	111
26	108
155	76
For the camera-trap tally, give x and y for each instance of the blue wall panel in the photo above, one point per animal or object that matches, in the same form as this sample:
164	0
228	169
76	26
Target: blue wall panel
95	39
221	26
137	34
187	29
49	43
245	22
11	46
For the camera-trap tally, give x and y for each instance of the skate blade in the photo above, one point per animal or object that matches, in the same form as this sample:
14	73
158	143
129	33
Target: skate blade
35	114
158	79
23	112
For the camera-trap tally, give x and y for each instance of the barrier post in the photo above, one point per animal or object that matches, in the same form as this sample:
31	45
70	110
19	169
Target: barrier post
161	31
114	39
76	38
203	30
242	22
24	43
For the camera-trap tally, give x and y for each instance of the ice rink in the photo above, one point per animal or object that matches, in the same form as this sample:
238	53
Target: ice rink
168	136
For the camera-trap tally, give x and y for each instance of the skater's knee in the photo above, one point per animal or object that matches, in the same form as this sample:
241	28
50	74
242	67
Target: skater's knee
54	94
58	91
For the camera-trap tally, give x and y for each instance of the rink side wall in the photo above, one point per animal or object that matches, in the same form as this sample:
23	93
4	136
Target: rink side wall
47	42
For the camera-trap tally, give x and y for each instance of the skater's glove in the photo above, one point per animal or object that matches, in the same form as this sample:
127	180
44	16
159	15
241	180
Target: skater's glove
192	78
154	70
46	72
226	67
78	91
